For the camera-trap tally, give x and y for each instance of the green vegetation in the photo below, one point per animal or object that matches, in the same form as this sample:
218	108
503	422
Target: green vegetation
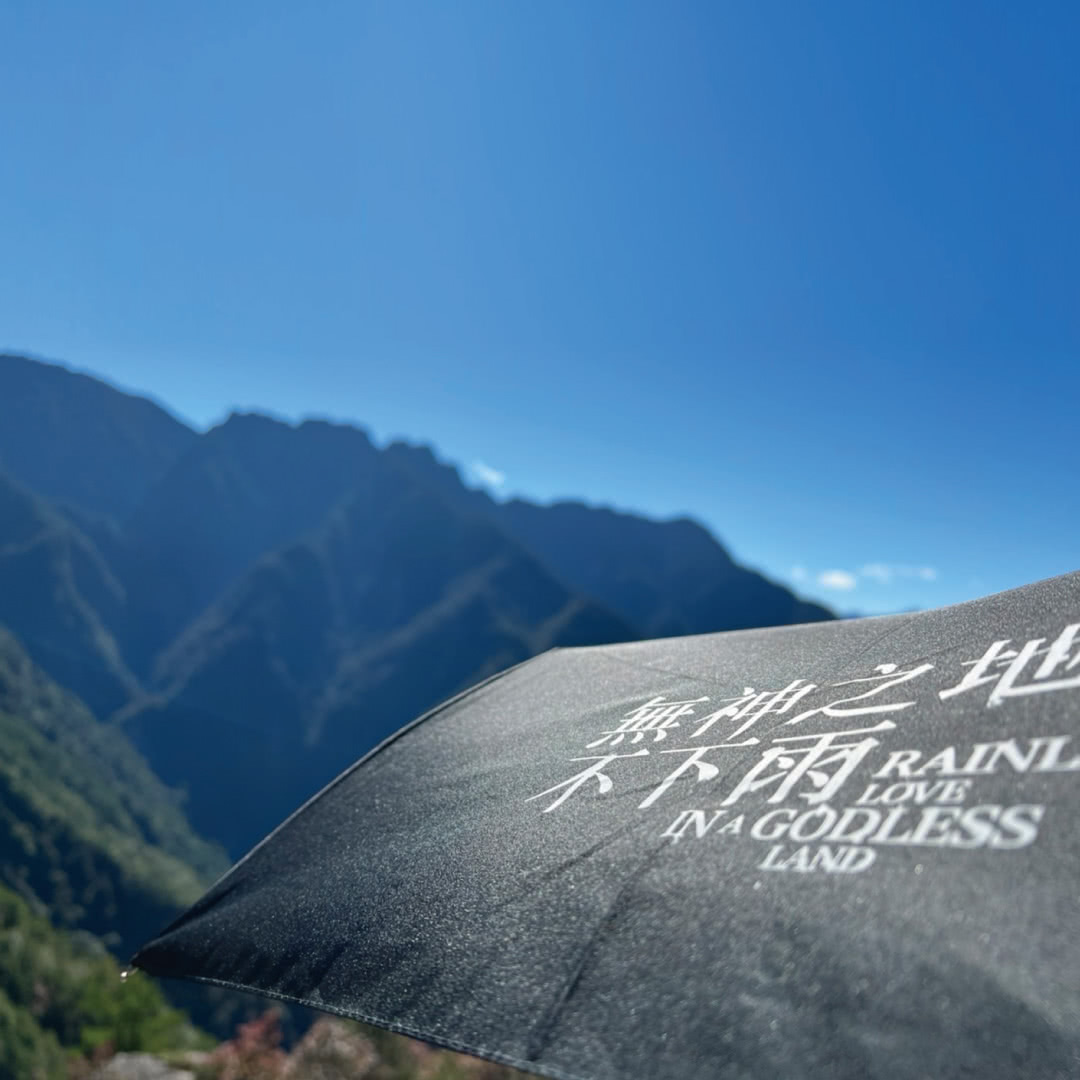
85	826
62	1001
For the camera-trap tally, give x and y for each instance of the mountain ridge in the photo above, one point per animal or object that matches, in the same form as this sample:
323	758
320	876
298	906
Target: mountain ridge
283	595
58	593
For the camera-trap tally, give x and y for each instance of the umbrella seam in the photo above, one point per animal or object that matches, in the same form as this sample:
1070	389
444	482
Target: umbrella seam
611	657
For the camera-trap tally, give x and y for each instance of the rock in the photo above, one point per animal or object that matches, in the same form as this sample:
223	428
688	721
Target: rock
140	1067
331	1050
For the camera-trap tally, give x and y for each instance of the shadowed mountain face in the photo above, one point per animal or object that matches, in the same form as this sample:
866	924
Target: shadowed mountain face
243	489
262	603
335	641
58	593
665	577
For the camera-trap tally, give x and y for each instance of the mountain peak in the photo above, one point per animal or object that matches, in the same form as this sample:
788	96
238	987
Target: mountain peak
241	419
73	437
247	424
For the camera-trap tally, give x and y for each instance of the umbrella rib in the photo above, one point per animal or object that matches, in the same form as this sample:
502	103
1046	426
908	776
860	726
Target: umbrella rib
542	1033
137	959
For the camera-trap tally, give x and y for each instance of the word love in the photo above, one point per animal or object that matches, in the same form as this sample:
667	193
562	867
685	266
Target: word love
919	792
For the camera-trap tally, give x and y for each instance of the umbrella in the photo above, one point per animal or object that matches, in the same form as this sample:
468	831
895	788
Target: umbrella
845	849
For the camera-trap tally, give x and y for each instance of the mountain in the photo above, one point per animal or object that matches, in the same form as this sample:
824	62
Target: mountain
86	829
74	438
336	640
260	603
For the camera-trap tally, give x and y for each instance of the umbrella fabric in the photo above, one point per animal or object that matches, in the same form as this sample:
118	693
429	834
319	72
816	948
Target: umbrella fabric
846	849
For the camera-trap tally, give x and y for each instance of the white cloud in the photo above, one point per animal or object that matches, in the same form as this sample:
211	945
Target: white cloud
837	579
878	572
885	573
486	475
798	573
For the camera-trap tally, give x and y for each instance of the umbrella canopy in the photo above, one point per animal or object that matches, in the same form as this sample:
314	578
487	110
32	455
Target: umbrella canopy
845	849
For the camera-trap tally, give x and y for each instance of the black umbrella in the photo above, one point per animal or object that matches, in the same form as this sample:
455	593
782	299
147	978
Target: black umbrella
846	849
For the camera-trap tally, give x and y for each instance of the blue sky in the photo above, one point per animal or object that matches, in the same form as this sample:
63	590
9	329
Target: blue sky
809	272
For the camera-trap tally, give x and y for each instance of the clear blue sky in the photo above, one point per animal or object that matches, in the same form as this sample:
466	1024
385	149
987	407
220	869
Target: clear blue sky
809	271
